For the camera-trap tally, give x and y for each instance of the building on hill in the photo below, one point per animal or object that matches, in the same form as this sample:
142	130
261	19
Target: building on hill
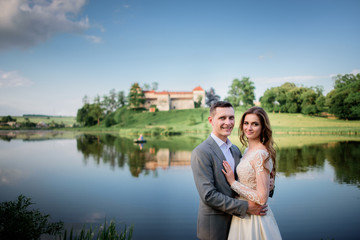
164	101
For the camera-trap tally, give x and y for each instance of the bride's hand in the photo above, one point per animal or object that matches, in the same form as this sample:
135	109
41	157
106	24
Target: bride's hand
229	174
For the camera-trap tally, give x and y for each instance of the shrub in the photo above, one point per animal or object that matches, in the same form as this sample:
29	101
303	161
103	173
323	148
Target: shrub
18	222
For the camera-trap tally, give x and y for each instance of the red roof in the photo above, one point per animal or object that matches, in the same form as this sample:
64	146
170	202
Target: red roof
198	88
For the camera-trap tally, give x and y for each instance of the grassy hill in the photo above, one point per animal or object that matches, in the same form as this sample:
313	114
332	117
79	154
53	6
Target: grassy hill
195	121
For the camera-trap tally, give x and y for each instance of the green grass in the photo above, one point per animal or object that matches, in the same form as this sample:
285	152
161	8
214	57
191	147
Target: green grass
171	122
194	121
107	231
299	123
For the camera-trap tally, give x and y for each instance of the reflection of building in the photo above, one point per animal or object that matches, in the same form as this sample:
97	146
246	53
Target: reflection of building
164	159
165	100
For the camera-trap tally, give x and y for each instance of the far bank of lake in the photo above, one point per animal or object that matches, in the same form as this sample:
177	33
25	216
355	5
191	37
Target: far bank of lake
194	121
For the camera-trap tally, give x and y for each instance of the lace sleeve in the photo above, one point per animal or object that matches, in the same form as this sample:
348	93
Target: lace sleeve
262	175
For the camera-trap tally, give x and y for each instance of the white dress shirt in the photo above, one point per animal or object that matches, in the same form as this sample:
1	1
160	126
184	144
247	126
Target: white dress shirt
225	148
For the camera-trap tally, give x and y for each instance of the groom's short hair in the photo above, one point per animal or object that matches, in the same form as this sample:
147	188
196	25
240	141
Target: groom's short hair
217	104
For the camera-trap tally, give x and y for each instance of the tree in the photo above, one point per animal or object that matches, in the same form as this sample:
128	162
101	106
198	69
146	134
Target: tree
241	93
289	98
293	100
268	100
308	102
121	99
344	100
136	96
154	86
146	87
97	99
211	97
113	101
90	114
110	102
8	119
85	99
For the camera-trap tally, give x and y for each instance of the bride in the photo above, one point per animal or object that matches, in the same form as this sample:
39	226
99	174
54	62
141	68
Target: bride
254	172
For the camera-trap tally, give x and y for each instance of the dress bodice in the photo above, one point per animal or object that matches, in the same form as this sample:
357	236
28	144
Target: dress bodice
254	176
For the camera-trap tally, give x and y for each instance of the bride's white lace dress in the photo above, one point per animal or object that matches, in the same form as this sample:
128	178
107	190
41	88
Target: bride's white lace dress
253	185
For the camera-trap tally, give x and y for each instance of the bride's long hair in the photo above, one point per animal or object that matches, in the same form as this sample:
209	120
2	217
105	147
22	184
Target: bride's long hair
265	136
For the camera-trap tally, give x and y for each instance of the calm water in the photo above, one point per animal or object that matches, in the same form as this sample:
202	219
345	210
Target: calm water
87	178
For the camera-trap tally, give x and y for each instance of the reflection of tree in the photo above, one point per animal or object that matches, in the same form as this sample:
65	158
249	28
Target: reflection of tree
112	150
90	146
117	151
163	151
137	162
6	138
102	148
293	160
344	157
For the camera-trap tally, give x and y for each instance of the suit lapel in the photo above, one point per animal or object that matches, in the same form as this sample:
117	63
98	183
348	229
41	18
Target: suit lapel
216	149
235	156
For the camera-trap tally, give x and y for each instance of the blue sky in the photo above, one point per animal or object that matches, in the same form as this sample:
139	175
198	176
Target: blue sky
54	52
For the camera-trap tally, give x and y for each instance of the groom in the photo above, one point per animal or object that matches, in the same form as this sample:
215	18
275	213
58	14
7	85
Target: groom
217	200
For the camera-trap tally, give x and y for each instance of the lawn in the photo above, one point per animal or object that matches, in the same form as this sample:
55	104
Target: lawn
193	121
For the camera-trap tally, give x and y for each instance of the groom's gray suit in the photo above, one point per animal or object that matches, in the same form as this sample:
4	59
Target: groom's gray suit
217	200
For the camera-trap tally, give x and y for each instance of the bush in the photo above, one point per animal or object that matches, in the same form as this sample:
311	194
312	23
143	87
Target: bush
109	120
18	222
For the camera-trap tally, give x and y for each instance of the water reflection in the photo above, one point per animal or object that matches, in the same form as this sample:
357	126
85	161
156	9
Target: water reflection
118	152
341	155
164	153
344	157
141	158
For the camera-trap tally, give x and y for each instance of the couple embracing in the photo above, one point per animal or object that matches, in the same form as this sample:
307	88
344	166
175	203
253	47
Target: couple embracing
233	193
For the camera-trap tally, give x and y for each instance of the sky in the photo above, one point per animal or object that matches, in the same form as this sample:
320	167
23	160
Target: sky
54	52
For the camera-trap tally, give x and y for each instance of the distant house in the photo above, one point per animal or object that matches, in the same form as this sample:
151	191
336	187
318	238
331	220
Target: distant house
165	100
42	125
12	124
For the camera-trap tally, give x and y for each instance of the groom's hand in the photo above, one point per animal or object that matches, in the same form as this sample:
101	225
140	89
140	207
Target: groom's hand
256	209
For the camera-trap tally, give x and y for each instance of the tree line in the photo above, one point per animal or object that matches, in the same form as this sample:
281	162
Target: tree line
343	101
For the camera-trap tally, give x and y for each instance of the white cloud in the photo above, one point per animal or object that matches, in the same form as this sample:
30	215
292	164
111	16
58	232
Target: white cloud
13	79
25	23
94	39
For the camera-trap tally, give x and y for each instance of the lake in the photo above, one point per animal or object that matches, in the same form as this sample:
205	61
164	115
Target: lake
85	179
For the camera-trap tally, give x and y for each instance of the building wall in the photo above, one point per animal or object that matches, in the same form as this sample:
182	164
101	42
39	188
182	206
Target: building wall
165	101
198	94
182	103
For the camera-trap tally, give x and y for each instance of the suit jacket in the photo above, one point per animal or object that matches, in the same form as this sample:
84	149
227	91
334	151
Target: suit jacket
217	199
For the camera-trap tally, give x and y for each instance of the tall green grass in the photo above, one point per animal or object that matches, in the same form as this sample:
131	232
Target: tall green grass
103	232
